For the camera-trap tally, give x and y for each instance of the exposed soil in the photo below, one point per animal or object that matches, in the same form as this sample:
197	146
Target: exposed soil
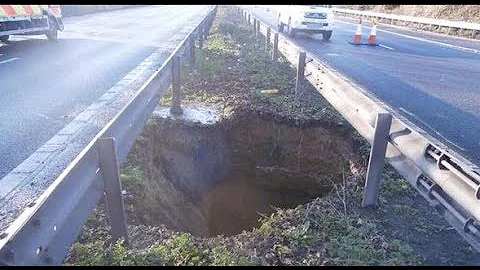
211	179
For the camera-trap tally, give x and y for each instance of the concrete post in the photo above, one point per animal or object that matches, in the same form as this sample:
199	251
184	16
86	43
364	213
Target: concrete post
113	188
176	92
377	159
300	75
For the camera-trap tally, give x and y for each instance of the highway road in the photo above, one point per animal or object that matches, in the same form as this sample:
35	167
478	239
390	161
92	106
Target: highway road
44	85
430	79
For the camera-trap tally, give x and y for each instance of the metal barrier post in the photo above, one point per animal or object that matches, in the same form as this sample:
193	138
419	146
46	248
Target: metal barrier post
113	188
209	25
200	36
275	47
377	159
254	27
300	75
176	91
267	39
257	32
192	52
205	29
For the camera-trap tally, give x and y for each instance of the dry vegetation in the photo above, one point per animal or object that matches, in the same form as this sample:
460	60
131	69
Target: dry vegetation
467	13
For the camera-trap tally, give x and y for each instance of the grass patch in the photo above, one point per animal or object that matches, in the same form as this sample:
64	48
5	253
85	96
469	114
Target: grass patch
233	69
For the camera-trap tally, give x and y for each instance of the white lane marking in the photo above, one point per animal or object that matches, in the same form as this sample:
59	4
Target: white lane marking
405	111
45	116
424	40
430	127
9	60
386	47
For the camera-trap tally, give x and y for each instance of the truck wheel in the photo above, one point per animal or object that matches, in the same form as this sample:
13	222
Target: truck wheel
52	33
4	39
290	30
327	35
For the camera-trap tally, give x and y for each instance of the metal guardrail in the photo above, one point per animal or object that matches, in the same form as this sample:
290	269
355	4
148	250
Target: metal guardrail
43	233
393	18
446	180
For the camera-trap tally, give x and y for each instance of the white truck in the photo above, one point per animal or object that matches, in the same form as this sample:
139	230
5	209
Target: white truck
30	20
312	19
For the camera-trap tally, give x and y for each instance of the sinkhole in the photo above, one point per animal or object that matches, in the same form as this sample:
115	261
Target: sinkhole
212	175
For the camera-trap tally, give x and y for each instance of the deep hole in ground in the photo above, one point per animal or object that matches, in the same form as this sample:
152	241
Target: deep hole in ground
209	176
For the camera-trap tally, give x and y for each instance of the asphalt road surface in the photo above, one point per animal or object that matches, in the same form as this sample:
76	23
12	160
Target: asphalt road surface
45	85
433	80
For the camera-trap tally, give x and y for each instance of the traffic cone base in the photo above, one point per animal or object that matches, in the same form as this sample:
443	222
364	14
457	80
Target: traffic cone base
373	34
357	38
368	44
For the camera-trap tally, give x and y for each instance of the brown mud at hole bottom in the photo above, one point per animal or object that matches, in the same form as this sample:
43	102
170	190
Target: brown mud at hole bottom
210	176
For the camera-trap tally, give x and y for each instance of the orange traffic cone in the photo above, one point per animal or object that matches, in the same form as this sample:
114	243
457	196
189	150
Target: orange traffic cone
373	34
358	34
